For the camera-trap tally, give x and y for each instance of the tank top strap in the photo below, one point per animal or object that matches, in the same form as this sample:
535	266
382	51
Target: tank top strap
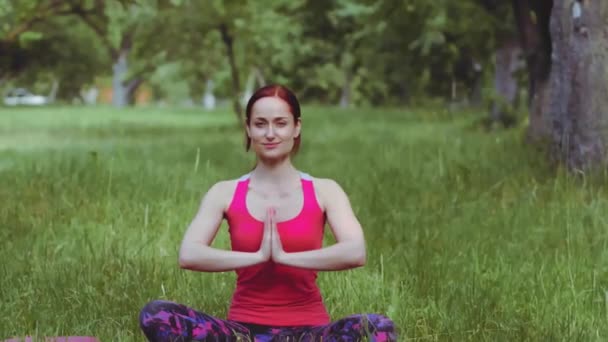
308	189
240	193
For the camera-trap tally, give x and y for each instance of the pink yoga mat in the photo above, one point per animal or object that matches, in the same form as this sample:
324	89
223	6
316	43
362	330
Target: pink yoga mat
55	339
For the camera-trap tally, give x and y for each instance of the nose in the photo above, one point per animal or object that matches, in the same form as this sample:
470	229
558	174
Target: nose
270	132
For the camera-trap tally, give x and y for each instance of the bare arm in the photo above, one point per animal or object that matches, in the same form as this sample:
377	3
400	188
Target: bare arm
349	249
195	252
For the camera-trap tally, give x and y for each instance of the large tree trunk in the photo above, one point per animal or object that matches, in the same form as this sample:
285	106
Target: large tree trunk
532	19
578	101
236	84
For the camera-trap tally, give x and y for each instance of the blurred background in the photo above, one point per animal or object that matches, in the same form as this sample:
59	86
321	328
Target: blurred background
536	63
208	54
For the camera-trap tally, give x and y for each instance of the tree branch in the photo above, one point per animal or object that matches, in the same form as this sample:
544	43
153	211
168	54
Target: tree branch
133	84
101	33
148	67
126	41
39	15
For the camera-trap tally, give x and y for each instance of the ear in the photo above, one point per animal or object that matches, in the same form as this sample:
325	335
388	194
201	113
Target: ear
298	128
247	130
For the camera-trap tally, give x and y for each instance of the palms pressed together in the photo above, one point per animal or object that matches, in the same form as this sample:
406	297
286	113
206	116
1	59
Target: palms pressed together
271	248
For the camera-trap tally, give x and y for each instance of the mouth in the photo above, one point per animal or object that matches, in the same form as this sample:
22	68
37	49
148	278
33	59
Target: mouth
270	145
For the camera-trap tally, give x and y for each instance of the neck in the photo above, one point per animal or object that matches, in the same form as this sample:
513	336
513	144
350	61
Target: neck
277	173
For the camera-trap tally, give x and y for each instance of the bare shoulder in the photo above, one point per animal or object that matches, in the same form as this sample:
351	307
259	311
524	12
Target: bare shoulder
221	192
327	191
326	184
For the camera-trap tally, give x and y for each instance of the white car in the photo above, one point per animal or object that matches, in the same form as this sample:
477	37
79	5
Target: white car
21	96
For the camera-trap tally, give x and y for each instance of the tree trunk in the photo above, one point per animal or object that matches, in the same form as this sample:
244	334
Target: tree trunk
345	97
123	88
209	98
532	19
120	96
249	85
577	103
255	80
132	87
505	83
259	77
54	89
477	84
228	42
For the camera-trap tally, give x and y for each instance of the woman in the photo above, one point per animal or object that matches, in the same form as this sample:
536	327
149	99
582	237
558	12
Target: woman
276	216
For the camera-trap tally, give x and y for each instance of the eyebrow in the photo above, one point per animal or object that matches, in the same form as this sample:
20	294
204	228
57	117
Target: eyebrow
277	118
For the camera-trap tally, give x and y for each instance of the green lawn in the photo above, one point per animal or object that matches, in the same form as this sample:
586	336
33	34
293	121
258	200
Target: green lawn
470	236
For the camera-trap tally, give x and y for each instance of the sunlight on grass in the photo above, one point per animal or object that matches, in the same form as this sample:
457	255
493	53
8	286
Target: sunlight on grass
68	127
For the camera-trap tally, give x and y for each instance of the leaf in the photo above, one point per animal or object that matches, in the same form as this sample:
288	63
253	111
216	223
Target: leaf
29	36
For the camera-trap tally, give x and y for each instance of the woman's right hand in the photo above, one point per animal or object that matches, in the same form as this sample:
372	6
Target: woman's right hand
265	251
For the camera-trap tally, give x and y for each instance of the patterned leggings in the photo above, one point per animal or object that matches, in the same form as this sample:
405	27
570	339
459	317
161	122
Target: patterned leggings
169	321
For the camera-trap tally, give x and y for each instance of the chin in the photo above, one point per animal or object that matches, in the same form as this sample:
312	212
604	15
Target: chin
273	155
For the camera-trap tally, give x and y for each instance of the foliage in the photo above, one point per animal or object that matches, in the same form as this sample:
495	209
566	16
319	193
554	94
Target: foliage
373	52
50	53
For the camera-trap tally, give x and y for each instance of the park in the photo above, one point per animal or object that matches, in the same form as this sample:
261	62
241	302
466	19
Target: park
470	137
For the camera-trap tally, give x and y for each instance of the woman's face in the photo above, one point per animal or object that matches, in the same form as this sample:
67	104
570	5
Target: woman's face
272	128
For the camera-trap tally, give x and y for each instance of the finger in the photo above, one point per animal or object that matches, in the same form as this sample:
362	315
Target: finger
271	215
268	219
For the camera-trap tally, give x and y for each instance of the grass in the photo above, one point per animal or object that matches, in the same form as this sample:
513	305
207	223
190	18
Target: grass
471	237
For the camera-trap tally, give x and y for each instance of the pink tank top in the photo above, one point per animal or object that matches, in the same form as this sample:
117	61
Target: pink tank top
270	293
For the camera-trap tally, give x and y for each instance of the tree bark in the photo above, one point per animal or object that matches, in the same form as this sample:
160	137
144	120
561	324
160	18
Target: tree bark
124	87
228	42
120	93
532	19
577	103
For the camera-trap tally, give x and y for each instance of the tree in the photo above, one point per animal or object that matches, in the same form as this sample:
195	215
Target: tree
532	21
43	42
17	32
128	30
336	53
255	36
19	17
567	61
65	54
577	105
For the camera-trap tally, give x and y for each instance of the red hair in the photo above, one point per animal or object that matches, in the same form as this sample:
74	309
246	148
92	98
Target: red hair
282	92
